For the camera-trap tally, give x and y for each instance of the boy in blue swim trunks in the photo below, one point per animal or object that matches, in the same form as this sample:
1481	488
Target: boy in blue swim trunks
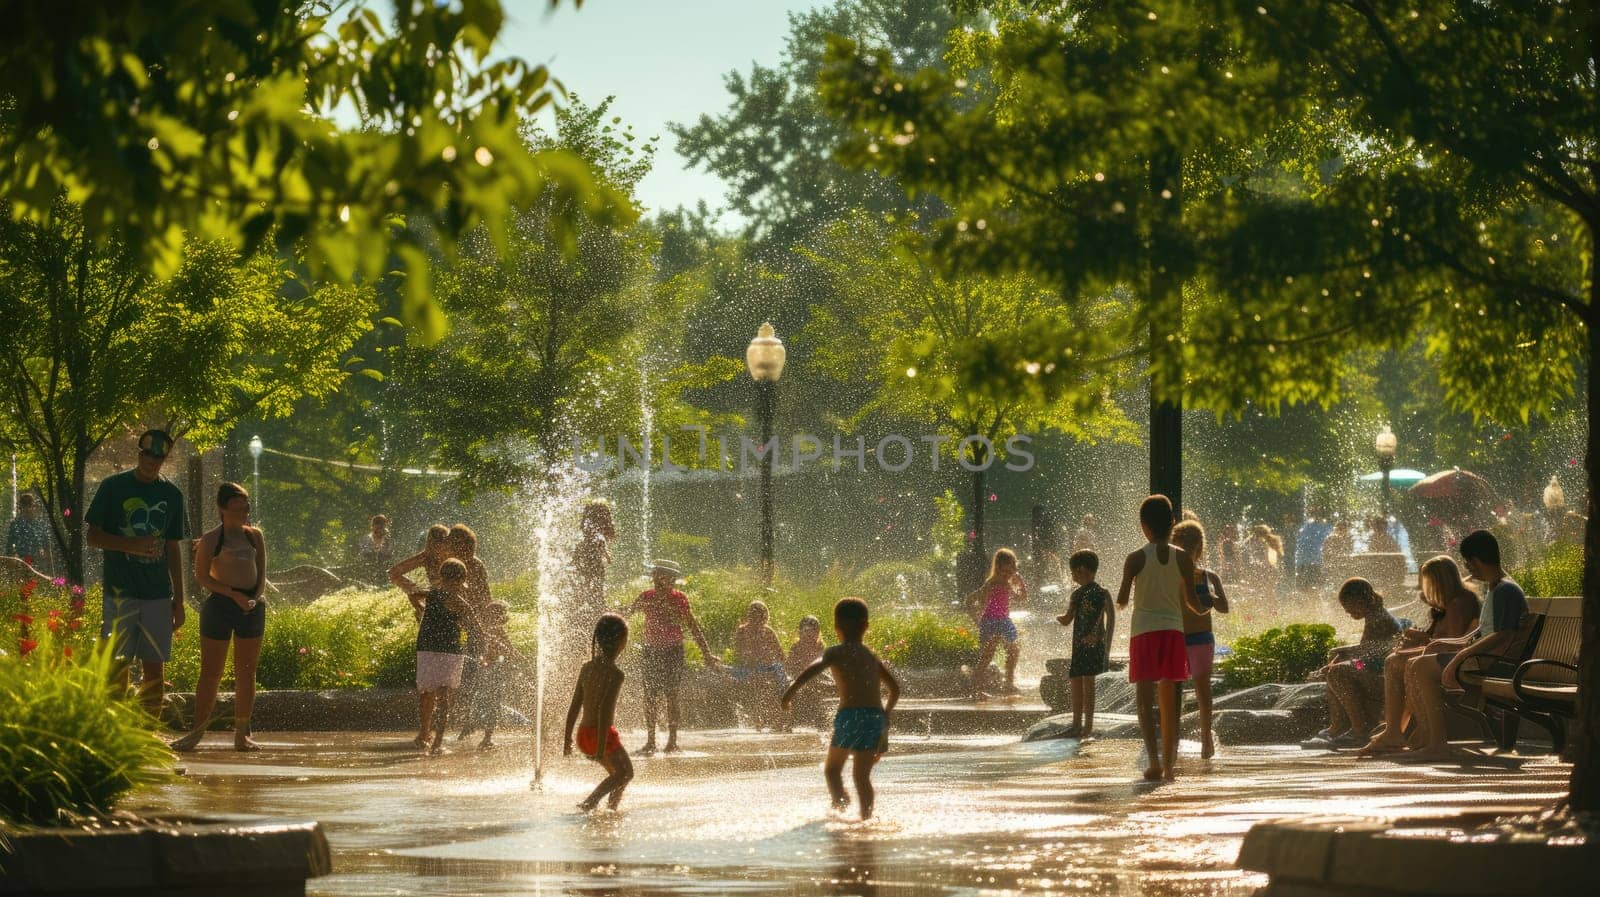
861	726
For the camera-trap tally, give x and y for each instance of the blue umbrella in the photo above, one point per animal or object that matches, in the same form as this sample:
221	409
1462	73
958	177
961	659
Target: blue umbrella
1400	476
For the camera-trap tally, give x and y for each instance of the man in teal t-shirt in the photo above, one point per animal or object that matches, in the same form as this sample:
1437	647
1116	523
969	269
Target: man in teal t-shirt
137	518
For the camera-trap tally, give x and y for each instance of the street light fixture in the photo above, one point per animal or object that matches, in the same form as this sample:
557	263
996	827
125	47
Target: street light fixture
1386	446
765	358
1555	498
256	447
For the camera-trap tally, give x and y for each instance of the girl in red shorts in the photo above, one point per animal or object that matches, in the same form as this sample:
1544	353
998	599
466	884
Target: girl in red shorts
595	699
1161	578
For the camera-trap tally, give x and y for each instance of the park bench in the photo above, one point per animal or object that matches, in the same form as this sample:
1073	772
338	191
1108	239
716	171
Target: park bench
1536	680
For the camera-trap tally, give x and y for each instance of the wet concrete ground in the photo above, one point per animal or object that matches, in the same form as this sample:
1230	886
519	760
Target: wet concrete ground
745	813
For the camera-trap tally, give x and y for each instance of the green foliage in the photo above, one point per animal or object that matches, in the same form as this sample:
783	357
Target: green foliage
1286	654
98	345
216	120
1557	573
70	746
924	640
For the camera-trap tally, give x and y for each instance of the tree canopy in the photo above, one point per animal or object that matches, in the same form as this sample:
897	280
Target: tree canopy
163	120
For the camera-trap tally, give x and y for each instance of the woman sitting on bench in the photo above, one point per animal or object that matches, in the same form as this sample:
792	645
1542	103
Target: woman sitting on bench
1454	611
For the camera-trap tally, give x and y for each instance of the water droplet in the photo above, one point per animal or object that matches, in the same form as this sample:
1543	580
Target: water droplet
911	372
1165	70
344	214
483	156
1166	194
1099	176
154	144
233	115
449	154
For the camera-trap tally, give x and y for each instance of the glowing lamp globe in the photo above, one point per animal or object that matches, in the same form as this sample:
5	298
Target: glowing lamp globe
765	355
1385	444
1555	498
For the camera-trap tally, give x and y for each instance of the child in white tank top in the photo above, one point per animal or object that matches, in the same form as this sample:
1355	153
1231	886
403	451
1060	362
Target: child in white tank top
1161	579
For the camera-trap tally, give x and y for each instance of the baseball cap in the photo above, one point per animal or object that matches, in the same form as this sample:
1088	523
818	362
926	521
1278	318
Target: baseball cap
156	443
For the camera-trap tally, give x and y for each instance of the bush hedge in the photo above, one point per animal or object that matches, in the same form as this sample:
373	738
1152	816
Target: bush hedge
1280	654
71	744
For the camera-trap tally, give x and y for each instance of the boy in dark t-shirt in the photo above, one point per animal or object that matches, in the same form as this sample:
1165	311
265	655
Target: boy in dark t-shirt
137	518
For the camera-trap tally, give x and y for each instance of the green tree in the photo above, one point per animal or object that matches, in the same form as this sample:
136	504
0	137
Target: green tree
96	343
548	338
903	331
169	119
1472	198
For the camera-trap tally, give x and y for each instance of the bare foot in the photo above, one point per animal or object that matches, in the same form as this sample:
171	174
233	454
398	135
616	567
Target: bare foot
1381	745
866	812
672	747
649	747
587	806
614	801
841	803
421	741
1153	774
242	742
1208	747
188	742
438	748
486	745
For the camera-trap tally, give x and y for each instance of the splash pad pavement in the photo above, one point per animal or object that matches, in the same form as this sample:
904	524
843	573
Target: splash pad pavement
745	812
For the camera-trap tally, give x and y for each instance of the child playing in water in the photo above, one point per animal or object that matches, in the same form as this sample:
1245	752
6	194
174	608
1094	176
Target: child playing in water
433	553
1092	618
861	726
990	606
758	671
1199	643
596	699
1161	579
439	648
803	653
495	660
666	613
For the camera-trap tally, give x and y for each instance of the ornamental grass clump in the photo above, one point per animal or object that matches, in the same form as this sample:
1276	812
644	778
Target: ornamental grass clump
71	745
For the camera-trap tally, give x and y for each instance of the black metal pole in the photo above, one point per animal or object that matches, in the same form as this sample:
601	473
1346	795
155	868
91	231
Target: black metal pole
1385	464
1166	322
765	390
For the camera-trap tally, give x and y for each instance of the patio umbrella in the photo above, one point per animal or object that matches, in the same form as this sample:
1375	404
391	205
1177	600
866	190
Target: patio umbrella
1456	484
1400	476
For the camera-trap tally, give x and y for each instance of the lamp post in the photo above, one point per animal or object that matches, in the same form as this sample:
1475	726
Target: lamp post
765	359
256	447
1385	445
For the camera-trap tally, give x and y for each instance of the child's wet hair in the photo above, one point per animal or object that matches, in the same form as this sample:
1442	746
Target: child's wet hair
758	607
496	610
462	536
1191	537
850	617
810	620
1001	554
1358	591
453	570
1156	513
610	631
437	534
1084	559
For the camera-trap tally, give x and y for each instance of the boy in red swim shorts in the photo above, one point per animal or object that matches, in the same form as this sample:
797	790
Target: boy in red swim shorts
596	699
1161	577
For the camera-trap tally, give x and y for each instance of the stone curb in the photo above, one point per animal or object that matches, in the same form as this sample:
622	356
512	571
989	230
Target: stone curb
260	858
1344	857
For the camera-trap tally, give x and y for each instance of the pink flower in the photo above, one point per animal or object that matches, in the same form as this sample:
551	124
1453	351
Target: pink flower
993	497
66	512
59	581
77	590
302	651
972	535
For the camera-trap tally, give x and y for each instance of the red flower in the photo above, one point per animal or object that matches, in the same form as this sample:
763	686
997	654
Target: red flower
55	612
53	624
74	625
28	587
27	645
24	619
77	590
67	651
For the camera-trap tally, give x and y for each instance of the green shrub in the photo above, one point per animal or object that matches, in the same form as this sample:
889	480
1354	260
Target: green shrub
924	640
1286	654
1558	573
69	745
897	584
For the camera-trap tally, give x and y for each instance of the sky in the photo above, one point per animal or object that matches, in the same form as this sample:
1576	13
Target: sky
664	62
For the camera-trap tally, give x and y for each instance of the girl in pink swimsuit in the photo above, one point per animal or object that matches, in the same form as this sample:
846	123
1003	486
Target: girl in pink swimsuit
994	621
